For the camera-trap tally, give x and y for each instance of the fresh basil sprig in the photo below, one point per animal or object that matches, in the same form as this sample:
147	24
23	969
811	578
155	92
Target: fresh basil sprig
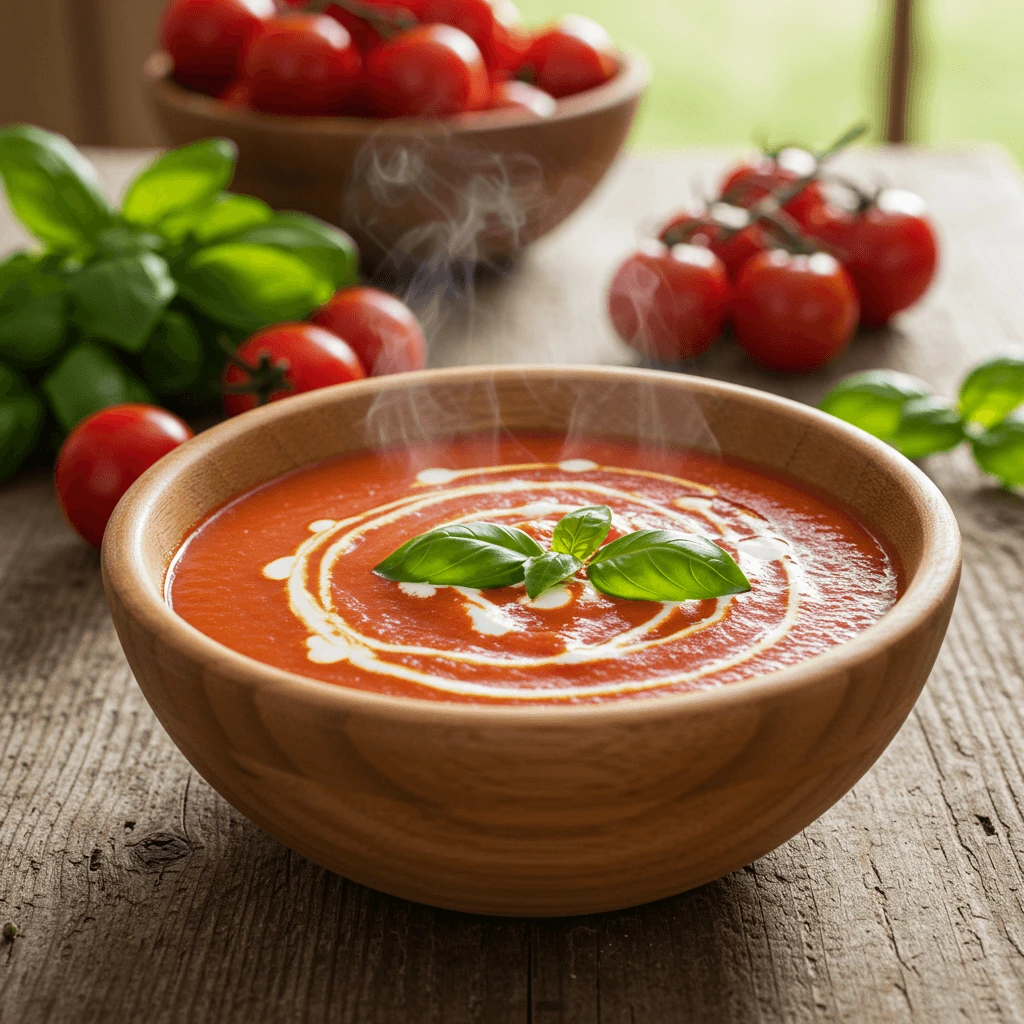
902	411
646	565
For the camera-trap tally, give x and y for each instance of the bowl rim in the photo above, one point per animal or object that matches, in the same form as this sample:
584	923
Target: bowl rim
626	86
926	592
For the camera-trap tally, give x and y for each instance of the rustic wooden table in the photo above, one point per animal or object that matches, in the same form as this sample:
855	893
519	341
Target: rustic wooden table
142	896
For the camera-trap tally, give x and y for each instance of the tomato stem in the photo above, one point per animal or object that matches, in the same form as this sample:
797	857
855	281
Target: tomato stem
385	23
265	378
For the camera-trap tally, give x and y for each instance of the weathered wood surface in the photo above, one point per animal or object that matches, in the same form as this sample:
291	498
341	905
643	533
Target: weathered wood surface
142	896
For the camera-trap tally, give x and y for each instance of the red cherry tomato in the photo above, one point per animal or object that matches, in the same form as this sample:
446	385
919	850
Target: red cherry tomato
236	93
733	248
207	39
521	96
302	64
286	360
380	329
363	34
577	54
752	181
669	303
889	249
491	24
104	455
794	313
435	70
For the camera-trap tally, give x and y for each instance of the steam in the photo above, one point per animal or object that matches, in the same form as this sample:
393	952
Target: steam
459	202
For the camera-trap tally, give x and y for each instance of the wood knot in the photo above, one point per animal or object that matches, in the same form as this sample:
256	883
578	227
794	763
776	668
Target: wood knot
159	849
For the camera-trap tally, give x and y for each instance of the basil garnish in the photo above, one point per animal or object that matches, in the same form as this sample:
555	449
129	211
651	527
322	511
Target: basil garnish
542	572
991	391
648	565
582	532
481	555
664	565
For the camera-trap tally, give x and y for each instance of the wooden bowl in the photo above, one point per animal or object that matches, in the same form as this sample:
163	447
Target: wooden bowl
475	187
532	810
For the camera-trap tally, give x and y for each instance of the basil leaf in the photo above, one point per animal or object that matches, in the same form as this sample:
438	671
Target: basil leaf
252	286
927	425
992	391
323	246
182	178
121	240
1000	450
481	555
174	355
33	331
120	299
21	422
663	565
225	215
86	380
582	531
542	572
15	272
51	187
873	400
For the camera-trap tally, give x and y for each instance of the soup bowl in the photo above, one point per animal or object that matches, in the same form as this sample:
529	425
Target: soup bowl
544	809
480	186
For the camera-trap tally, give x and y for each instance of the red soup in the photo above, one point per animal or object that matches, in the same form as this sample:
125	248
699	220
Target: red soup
284	573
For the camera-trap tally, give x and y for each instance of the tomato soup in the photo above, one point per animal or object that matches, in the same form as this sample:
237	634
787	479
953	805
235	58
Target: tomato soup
284	575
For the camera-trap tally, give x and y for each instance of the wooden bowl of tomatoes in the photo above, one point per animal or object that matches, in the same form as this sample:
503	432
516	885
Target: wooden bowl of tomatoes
431	128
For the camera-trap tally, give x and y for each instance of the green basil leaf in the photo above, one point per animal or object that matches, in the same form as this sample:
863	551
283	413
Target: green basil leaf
33	332
52	188
873	400
86	380
1000	450
15	272
120	299
225	215
582	531
185	177
927	425
325	247
663	565
174	355
542	572
991	391
252	286
121	240
481	555
21	424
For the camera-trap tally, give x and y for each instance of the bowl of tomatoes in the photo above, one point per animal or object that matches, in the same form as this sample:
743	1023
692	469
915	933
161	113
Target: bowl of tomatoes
432	127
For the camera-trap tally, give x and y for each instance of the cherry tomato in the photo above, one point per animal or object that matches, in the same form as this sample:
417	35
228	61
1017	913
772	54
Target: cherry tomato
302	64
733	248
794	313
577	54
104	455
207	39
669	303
491	24
431	69
889	249
752	181
380	329
363	34
284	360
236	94
521	96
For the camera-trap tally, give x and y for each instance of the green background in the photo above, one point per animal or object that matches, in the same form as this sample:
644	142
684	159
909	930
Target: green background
727	71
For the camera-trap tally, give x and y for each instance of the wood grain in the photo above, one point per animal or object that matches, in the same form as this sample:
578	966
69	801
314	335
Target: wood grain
141	896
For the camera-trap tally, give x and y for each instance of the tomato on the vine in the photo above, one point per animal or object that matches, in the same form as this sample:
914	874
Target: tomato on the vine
513	95
794	312
104	455
207	39
754	180
302	64
669	303
889	248
577	54
732	247
380	329
284	360
431	69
